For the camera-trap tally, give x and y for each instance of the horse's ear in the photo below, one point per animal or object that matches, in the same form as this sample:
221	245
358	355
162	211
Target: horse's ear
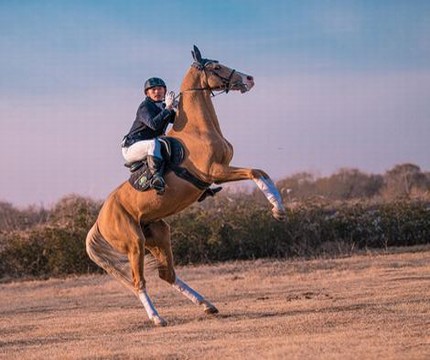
197	56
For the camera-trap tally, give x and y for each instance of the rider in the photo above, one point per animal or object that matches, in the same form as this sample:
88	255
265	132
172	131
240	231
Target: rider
152	118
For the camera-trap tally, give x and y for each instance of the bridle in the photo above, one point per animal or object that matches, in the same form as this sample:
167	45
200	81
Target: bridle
226	81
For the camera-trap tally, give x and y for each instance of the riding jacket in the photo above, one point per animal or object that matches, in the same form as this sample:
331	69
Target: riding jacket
151	121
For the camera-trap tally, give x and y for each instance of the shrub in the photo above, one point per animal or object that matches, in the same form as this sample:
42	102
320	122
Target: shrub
55	247
228	227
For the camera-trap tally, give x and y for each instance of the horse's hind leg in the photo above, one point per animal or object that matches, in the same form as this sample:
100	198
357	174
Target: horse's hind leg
136	255
159	244
136	258
157	235
194	296
123	258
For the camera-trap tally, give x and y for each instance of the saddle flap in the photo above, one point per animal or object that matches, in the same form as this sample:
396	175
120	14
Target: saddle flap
173	154
140	175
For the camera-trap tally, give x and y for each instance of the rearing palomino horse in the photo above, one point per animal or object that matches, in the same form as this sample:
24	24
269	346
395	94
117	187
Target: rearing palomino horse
131	222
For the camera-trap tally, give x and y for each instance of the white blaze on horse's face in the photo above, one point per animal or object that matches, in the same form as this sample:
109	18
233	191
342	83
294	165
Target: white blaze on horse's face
247	81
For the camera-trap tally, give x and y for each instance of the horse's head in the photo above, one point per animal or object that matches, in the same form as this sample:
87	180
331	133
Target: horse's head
219	77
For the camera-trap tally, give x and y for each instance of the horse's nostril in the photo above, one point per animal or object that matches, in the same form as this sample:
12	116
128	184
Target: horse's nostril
250	78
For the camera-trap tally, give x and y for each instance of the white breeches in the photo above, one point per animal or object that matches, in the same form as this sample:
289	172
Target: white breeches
140	149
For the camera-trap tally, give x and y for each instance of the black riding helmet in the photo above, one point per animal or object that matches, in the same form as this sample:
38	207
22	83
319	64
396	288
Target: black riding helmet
153	82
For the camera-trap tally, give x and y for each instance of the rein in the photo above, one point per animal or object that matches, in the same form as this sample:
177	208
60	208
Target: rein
203	89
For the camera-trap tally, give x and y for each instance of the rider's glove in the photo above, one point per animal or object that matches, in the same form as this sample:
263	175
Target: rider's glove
169	100
175	105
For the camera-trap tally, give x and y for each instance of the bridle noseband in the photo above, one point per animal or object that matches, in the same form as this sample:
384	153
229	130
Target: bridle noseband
226	81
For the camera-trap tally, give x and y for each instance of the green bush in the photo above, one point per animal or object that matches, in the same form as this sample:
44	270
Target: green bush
44	252
228	227
243	229
54	247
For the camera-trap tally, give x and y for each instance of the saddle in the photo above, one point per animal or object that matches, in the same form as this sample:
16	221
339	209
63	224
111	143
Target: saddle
173	154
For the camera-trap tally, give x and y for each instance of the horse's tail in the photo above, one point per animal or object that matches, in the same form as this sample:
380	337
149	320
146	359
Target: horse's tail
111	260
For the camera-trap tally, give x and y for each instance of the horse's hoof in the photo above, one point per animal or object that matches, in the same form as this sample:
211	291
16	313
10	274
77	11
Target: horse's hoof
159	321
279	214
209	308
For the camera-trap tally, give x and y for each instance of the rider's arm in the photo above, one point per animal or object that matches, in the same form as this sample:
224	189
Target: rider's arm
154	122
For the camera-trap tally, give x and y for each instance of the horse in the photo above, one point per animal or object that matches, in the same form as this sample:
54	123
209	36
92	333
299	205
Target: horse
131	222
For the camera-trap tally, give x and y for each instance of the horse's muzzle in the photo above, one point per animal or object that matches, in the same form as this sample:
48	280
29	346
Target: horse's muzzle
247	83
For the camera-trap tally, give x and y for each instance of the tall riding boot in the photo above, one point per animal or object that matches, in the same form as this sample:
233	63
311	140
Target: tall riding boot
156	167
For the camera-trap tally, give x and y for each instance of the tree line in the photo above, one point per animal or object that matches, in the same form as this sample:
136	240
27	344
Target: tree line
402	181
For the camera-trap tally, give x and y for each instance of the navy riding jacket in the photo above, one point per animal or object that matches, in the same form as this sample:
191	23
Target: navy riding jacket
150	122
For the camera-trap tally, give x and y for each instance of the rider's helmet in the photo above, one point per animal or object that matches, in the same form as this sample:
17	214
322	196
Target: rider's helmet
153	82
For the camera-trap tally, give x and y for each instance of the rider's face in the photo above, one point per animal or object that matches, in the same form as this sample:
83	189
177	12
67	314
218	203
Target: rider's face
156	93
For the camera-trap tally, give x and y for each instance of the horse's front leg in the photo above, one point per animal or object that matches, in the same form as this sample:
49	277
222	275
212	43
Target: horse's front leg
222	174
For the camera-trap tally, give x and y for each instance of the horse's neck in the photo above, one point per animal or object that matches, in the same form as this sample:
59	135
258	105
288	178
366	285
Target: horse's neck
197	115
197	126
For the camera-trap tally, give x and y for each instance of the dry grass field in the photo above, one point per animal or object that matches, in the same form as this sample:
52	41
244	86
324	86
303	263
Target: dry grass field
364	307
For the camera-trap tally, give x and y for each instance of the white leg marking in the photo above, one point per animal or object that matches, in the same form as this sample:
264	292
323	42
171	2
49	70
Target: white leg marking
270	191
190	293
150	309
147	304
194	296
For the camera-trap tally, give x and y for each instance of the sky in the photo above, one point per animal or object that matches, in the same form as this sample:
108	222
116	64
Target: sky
339	83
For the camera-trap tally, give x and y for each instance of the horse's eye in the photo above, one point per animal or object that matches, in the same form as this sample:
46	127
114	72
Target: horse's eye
217	67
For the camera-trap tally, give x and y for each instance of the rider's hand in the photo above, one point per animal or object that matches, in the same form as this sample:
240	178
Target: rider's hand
169	100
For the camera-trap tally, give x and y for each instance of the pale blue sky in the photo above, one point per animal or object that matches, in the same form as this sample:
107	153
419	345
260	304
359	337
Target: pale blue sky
338	84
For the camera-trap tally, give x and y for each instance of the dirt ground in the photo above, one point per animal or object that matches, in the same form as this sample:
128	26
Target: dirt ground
363	307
